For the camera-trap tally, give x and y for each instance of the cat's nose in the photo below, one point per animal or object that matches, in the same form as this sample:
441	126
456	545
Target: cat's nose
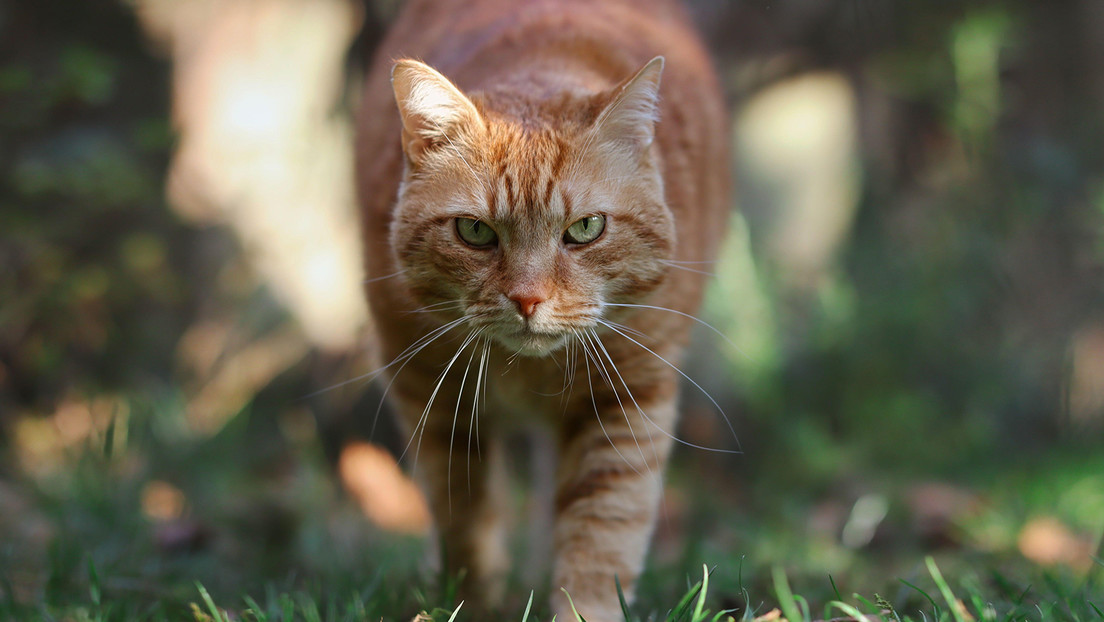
527	304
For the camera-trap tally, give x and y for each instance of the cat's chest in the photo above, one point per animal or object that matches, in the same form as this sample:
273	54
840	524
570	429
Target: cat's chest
527	389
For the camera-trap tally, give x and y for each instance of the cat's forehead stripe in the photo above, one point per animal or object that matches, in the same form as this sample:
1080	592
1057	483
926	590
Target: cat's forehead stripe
527	166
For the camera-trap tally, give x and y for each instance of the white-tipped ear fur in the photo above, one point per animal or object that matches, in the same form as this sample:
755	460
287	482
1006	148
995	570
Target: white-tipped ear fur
433	110
628	121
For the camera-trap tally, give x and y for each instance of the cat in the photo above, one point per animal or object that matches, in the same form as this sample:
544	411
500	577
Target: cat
525	220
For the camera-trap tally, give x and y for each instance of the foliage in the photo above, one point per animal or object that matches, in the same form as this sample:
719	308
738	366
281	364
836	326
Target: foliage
931	394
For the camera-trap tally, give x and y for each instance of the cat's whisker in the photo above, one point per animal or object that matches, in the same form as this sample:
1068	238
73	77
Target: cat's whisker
438	306
628	391
628	329
406	356
384	277
455	416
480	378
720	410
604	373
594	403
423	421
372	375
685	315
684	268
689	263
486	378
569	370
510	360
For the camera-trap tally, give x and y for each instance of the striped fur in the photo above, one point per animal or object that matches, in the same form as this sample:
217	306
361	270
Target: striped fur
548	115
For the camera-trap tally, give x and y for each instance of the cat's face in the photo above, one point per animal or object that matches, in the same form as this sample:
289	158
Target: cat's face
529	233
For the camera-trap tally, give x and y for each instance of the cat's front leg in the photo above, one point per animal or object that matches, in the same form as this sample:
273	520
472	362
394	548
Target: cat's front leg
609	484
466	488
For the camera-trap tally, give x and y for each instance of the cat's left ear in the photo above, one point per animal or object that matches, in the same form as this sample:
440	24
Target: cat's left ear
434	112
628	120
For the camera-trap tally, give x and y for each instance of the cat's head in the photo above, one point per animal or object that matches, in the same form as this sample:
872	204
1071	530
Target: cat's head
530	227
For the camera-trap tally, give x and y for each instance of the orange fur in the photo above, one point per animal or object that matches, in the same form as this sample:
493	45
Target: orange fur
547	116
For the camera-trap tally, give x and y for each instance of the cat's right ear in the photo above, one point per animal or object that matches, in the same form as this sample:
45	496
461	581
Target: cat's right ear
434	112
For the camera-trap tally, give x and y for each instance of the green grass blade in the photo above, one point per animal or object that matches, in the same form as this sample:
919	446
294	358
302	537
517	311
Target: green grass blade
945	589
935	605
257	612
1097	610
529	605
865	601
803	605
94	583
216	615
288	606
785	596
683	606
109	439
452	618
309	608
849	610
697	617
578	618
620	598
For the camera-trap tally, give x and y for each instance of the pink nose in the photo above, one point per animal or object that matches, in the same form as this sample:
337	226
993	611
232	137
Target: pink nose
527	304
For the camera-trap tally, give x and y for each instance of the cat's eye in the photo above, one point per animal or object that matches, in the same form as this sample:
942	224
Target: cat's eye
476	232
585	230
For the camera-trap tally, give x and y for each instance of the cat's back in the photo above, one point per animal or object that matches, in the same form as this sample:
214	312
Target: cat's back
483	45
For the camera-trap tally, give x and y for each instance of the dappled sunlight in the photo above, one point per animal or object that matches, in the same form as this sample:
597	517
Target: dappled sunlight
240	371
387	497
908	298
46	445
1049	542
263	150
161	501
797	158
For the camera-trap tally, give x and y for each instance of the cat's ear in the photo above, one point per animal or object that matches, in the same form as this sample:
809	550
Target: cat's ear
628	120
434	112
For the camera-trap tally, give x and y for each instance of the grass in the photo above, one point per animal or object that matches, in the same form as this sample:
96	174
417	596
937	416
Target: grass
922	361
265	534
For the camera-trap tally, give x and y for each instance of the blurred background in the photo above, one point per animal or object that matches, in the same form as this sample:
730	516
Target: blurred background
912	288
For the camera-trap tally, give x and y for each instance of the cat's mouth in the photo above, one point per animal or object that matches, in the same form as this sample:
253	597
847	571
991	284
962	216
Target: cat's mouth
530	342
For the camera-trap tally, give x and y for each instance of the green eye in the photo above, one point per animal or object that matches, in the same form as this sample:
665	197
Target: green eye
585	230
476	232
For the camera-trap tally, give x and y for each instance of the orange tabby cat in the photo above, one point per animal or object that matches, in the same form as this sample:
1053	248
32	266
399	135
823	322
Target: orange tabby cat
525	218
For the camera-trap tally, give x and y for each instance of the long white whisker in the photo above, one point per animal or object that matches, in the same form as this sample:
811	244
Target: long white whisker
480	378
597	415
628	391
684	268
486	381
604	373
423	421
452	434
685	315
447	304
405	354
569	371
381	278
628	329
693	382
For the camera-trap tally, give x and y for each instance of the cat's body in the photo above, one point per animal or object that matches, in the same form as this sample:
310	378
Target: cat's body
550	152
